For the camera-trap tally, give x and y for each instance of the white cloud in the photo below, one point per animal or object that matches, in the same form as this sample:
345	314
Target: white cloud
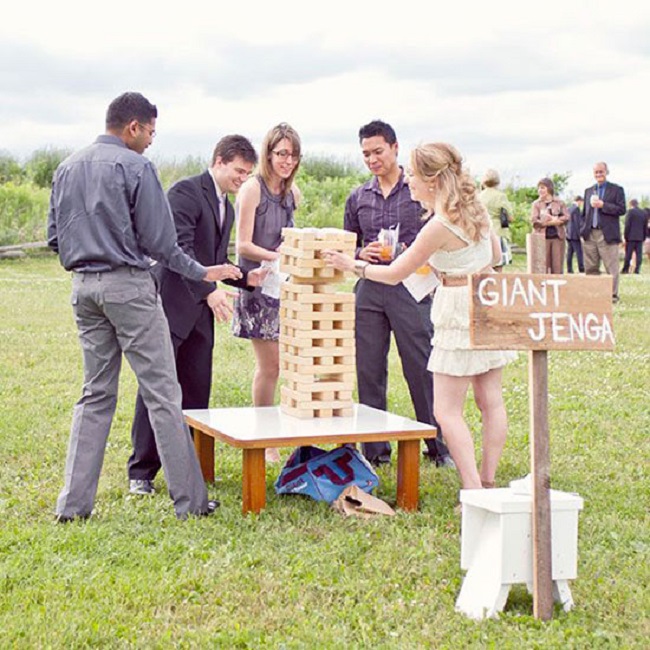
529	91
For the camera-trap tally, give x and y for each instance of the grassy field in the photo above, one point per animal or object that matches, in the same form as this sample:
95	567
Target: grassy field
299	575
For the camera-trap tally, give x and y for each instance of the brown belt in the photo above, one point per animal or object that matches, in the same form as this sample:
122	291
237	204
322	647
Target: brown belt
454	280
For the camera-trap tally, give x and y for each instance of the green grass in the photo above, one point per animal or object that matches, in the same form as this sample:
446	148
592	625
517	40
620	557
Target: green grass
299	575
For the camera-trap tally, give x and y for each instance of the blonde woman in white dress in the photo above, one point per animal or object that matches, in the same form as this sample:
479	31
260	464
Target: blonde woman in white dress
457	241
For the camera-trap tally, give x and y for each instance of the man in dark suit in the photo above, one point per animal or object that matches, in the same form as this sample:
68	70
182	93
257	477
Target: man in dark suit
601	227
204	218
574	245
636	224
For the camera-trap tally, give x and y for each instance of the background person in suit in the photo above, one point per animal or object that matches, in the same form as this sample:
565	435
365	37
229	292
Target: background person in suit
204	218
574	245
636	225
646	243
604	204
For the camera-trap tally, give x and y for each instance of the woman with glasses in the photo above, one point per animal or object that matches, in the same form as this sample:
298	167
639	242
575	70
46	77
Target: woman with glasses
265	205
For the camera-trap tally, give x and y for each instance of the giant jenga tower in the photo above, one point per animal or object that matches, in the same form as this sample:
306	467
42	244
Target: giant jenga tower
316	326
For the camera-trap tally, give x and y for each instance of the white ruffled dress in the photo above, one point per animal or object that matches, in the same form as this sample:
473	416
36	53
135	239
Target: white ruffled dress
451	354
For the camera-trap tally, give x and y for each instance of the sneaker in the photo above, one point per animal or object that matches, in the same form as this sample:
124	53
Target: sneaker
213	504
141	486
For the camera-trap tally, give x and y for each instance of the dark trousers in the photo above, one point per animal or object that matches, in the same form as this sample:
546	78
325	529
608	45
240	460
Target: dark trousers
194	371
380	310
635	247
574	246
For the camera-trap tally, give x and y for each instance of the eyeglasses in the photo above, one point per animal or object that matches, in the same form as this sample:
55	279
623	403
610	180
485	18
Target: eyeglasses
150	131
283	154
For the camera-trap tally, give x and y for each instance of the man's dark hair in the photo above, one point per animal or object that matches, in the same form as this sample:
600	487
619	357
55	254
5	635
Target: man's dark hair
378	128
634	203
128	107
231	146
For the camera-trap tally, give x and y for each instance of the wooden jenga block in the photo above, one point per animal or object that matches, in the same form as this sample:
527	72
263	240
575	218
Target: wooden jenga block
303	346
323	360
334	380
314	402
301	253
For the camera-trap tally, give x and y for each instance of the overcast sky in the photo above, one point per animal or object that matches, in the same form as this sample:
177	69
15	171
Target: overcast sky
527	88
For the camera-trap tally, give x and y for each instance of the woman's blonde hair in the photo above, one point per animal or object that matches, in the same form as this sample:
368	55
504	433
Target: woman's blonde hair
271	140
453	190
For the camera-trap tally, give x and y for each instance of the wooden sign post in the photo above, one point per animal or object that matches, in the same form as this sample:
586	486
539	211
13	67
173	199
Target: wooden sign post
537	313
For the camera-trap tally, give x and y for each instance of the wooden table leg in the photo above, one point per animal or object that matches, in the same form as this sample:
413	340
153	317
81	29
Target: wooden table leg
408	474
204	447
254	480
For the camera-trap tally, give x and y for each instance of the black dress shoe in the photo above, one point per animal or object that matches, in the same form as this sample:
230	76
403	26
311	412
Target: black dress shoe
379	460
66	519
212	506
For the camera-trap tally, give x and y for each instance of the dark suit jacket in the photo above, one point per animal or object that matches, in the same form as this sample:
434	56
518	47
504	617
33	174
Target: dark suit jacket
195	207
610	213
575	224
635	224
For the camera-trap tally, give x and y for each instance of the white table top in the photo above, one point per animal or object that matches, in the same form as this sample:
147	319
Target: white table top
268	426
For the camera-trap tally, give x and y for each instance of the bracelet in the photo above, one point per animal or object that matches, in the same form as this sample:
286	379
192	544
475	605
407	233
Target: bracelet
360	267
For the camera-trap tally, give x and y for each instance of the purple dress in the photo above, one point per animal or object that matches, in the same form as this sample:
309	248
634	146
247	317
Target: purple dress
255	315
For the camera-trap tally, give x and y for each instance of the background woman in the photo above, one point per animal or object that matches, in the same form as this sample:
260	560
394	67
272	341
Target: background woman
265	205
457	241
549	215
496	200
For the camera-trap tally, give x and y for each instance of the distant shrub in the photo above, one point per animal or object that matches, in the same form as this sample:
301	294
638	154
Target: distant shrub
23	213
323	201
173	170
10	169
322	167
42	164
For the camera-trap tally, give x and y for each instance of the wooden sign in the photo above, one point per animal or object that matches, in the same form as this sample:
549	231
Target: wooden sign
518	311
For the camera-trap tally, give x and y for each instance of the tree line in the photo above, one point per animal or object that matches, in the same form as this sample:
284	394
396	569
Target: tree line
325	182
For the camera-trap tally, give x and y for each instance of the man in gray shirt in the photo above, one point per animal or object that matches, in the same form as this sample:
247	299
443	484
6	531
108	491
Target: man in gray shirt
108	219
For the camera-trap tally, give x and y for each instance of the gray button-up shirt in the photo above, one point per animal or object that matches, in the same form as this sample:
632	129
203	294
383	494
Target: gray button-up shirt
367	212
108	210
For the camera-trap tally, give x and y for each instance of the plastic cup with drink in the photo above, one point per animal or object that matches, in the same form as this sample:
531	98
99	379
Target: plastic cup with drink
388	238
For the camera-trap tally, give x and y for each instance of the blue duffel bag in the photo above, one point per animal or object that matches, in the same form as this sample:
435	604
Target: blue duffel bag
323	475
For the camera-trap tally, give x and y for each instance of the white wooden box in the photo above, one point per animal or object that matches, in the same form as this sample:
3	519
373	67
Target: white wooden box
497	548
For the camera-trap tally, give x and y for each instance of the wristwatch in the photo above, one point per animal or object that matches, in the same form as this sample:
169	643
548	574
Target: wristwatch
360	267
